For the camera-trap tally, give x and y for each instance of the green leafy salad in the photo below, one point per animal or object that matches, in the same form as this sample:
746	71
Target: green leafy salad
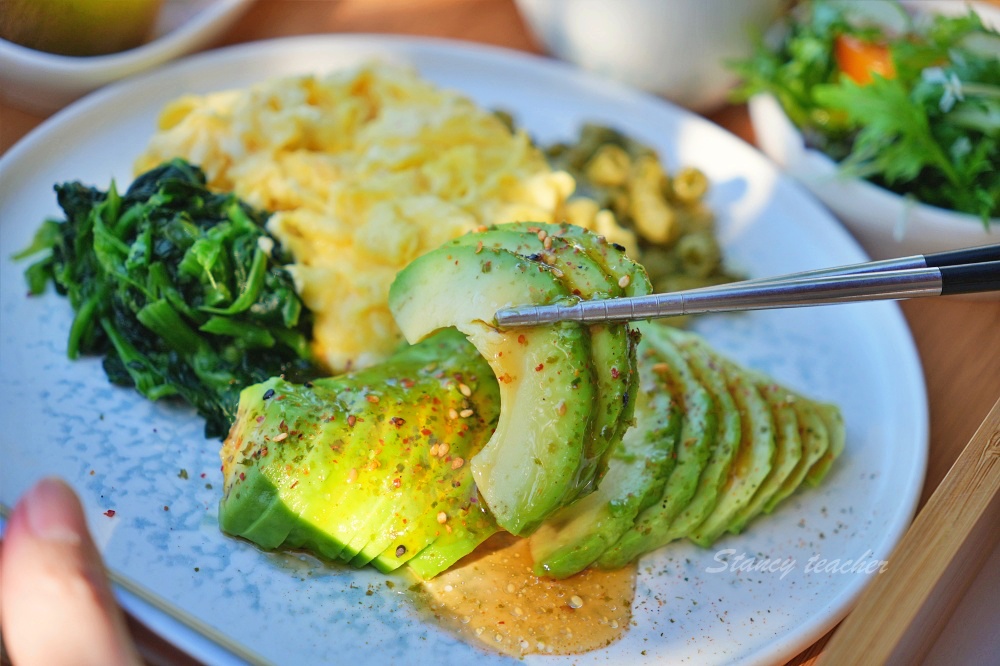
909	102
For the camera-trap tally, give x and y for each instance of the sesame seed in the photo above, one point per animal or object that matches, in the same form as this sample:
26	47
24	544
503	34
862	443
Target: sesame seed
575	602
352	476
542	234
457	462
442	517
465	390
466	413
434	449
280	437
624	281
443	449
452	414
547	243
561	408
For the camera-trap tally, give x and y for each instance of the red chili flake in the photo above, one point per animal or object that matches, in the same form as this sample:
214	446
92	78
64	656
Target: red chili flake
110	513
203	475
397	421
294	483
425	432
522	340
243	477
166	508
351	420
260	419
539	367
407	383
396	483
614	373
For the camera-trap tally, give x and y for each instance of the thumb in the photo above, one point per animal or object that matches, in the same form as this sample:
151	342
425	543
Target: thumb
57	604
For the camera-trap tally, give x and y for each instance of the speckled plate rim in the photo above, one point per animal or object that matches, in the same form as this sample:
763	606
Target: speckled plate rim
284	54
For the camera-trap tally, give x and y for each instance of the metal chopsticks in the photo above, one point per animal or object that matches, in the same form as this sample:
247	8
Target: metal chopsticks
965	271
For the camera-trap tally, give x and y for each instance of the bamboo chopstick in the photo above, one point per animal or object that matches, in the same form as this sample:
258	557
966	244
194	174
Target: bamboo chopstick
902	613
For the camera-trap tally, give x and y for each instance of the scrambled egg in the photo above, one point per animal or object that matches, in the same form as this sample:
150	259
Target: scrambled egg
365	170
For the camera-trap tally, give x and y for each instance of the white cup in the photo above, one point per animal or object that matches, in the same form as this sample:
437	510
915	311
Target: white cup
675	48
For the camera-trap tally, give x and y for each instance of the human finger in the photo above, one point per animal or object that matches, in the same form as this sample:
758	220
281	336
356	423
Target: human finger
57	604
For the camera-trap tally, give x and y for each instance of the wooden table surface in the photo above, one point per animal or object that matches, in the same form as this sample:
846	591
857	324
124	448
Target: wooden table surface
957	339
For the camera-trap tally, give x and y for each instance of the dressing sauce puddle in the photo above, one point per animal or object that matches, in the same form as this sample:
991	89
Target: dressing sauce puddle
492	599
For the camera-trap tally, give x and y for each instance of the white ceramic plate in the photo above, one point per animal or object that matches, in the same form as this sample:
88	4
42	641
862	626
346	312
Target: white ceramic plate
45	82
124	453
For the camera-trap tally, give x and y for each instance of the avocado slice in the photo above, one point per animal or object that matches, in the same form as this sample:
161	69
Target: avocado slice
610	256
531	465
305	464
443	506
472	526
612	348
707	368
753	459
787	452
577	535
815	442
698	435
834	421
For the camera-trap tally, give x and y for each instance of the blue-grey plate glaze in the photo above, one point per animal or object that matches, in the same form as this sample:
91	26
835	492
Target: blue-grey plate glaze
152	465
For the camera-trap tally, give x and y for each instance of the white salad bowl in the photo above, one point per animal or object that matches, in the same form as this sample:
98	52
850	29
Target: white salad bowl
45	82
886	224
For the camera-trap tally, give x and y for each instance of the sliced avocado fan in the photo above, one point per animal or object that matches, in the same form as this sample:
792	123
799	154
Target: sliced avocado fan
556	422
315	466
601	442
